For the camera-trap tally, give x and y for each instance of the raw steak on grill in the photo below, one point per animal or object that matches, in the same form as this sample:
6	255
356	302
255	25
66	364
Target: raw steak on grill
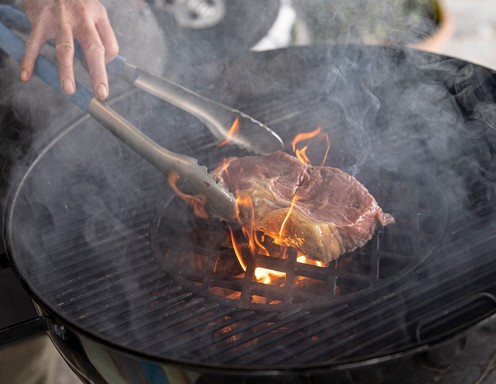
334	212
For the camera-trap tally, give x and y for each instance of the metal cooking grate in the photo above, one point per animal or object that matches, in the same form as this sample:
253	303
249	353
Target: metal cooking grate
110	271
205	262
114	286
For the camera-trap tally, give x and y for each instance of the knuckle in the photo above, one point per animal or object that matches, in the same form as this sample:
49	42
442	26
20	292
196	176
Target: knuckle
102	11
112	50
30	44
95	49
64	48
63	26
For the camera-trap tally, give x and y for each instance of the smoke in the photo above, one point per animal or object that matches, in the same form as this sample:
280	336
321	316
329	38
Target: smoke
398	113
32	114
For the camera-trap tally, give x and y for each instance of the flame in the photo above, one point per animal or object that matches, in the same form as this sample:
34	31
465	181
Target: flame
237	250
301	153
225	167
290	210
305	260
269	276
305	136
328	141
261	248
246	217
244	205
197	201
232	131
262	275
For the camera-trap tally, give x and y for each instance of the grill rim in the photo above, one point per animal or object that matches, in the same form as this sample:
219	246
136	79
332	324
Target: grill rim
45	309
252	370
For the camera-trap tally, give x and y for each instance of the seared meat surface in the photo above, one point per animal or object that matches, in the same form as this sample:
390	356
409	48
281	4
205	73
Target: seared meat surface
332	214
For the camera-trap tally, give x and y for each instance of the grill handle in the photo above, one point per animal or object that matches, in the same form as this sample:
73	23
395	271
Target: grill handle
25	329
4	261
26	324
460	316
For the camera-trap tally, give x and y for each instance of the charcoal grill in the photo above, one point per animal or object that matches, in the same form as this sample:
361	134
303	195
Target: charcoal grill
102	244
205	260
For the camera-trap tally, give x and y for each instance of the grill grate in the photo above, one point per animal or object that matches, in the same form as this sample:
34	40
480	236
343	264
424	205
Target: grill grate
391	253
125	287
109	253
159	313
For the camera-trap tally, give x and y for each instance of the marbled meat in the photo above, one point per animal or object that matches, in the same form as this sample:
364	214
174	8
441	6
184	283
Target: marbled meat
334	212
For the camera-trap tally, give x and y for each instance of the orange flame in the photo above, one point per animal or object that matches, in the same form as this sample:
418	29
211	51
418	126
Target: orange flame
225	167
197	201
237	251
245	208
301	153
290	210
305	260
269	276
232	131
305	136
244	205
246	217
328	140
261	248
262	275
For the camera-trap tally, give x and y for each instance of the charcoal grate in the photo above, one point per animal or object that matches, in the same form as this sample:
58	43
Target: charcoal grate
207	264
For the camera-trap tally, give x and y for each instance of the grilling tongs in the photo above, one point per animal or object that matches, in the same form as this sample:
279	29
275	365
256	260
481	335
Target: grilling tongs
193	178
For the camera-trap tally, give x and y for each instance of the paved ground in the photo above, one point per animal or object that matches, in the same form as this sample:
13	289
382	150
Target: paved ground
474	34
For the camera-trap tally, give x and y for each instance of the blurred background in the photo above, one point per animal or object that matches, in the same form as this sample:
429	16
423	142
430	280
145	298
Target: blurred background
474	32
196	30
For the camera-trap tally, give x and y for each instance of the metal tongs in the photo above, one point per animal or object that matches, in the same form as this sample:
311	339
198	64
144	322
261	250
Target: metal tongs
193	178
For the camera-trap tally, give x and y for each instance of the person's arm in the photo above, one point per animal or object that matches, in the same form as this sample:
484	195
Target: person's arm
64	21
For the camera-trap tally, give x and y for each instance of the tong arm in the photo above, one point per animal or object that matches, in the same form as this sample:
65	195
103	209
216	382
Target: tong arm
218	118
194	179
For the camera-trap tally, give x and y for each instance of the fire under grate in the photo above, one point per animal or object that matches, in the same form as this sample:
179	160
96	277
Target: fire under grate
202	258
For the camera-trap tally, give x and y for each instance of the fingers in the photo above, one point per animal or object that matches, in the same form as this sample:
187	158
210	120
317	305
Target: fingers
65	20
65	58
108	38
33	46
94	53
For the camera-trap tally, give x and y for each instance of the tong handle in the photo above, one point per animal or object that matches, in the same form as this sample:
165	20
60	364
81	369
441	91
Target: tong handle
13	45
218	118
194	179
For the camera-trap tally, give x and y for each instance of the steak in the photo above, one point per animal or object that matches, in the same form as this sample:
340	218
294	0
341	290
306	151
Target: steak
333	213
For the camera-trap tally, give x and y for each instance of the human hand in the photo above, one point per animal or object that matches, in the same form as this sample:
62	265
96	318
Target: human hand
64	21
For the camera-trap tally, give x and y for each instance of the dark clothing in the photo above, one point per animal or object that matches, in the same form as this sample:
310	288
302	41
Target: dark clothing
34	360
